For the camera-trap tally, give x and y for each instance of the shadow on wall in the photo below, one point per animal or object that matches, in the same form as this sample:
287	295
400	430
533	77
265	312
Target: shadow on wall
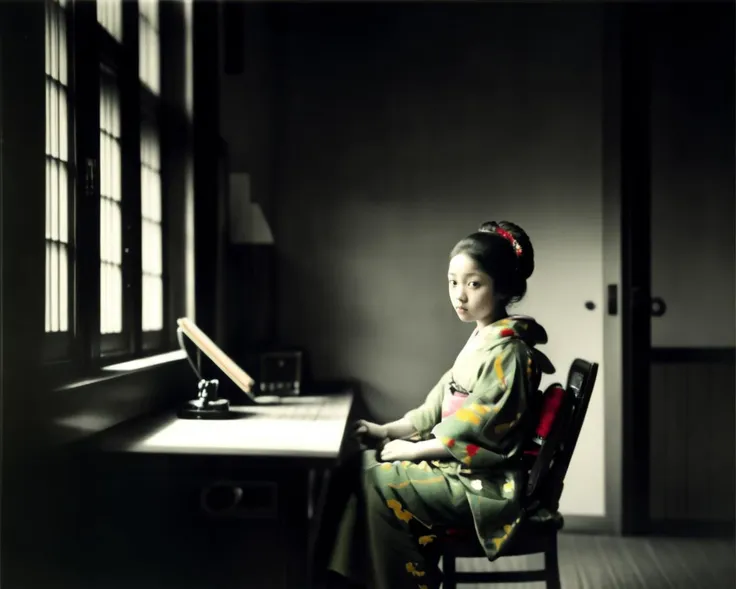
374	301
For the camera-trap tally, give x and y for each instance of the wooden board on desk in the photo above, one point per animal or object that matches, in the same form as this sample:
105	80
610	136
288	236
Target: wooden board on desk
309	427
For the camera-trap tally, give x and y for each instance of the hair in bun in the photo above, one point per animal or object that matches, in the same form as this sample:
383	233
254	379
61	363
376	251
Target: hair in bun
504	251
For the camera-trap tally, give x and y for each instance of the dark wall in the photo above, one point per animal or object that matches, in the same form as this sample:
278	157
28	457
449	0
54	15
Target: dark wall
399	129
210	161
248	107
22	173
394	129
247	102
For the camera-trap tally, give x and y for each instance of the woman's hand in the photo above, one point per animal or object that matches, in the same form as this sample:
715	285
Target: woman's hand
398	450
363	429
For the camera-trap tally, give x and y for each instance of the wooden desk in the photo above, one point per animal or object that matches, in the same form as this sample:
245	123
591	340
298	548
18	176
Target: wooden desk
298	427
289	447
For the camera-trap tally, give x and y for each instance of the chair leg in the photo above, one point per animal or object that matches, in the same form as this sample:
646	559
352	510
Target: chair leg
448	572
552	567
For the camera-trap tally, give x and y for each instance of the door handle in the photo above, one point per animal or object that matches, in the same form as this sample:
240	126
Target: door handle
658	306
612	299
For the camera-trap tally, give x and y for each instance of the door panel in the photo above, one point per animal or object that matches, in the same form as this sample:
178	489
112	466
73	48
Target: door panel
693	253
677	200
693	259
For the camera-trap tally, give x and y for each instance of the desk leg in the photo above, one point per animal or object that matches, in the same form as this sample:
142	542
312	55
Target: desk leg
294	523
322	480
302	500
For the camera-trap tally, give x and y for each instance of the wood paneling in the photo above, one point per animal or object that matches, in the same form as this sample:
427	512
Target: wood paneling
691	433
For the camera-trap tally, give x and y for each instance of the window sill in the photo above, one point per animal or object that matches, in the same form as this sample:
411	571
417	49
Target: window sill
114	371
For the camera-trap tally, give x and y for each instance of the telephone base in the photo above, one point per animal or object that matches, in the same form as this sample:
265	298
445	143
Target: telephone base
197	409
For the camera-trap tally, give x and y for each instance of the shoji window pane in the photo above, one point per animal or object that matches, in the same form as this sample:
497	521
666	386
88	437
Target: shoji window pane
151	231
52	260
148	42
59	170
62	135
152	315
110	16
111	259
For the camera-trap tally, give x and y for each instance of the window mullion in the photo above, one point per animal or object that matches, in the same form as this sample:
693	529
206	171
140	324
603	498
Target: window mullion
87	74
132	178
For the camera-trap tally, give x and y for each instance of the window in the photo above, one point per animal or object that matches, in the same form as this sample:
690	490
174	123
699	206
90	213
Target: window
151	232
59	176
111	220
118	232
110	16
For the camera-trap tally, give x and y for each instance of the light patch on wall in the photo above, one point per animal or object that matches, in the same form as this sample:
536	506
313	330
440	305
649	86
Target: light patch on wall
189	57
190	239
248	224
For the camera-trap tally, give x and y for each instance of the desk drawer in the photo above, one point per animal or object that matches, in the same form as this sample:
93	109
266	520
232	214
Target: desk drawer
251	499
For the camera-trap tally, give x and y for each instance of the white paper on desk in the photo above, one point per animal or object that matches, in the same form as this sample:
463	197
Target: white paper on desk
245	436
300	426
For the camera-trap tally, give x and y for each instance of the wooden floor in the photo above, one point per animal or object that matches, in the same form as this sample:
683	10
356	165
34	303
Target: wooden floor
600	562
586	562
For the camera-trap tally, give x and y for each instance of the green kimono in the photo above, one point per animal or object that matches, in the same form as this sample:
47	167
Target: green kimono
478	410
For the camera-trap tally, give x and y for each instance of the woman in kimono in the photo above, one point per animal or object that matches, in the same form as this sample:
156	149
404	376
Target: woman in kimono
455	461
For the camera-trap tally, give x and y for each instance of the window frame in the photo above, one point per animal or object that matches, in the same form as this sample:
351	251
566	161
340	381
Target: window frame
151	110
90	50
114	345
121	58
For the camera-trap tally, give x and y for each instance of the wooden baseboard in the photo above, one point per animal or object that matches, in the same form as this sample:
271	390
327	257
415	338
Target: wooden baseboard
588	524
681	355
693	528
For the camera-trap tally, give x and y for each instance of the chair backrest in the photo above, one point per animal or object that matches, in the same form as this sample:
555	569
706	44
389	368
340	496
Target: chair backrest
536	402
547	474
550	422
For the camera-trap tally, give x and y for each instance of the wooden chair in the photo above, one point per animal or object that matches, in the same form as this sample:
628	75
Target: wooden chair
538	532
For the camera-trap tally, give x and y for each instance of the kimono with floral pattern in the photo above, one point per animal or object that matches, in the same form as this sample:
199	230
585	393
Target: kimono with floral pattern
478	410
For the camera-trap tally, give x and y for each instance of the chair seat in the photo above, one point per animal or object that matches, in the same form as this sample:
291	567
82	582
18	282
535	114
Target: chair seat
534	536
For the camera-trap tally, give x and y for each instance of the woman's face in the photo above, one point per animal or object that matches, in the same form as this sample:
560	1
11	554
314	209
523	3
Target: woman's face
471	290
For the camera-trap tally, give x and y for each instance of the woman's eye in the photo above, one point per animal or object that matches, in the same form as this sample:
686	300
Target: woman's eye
475	284
452	283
